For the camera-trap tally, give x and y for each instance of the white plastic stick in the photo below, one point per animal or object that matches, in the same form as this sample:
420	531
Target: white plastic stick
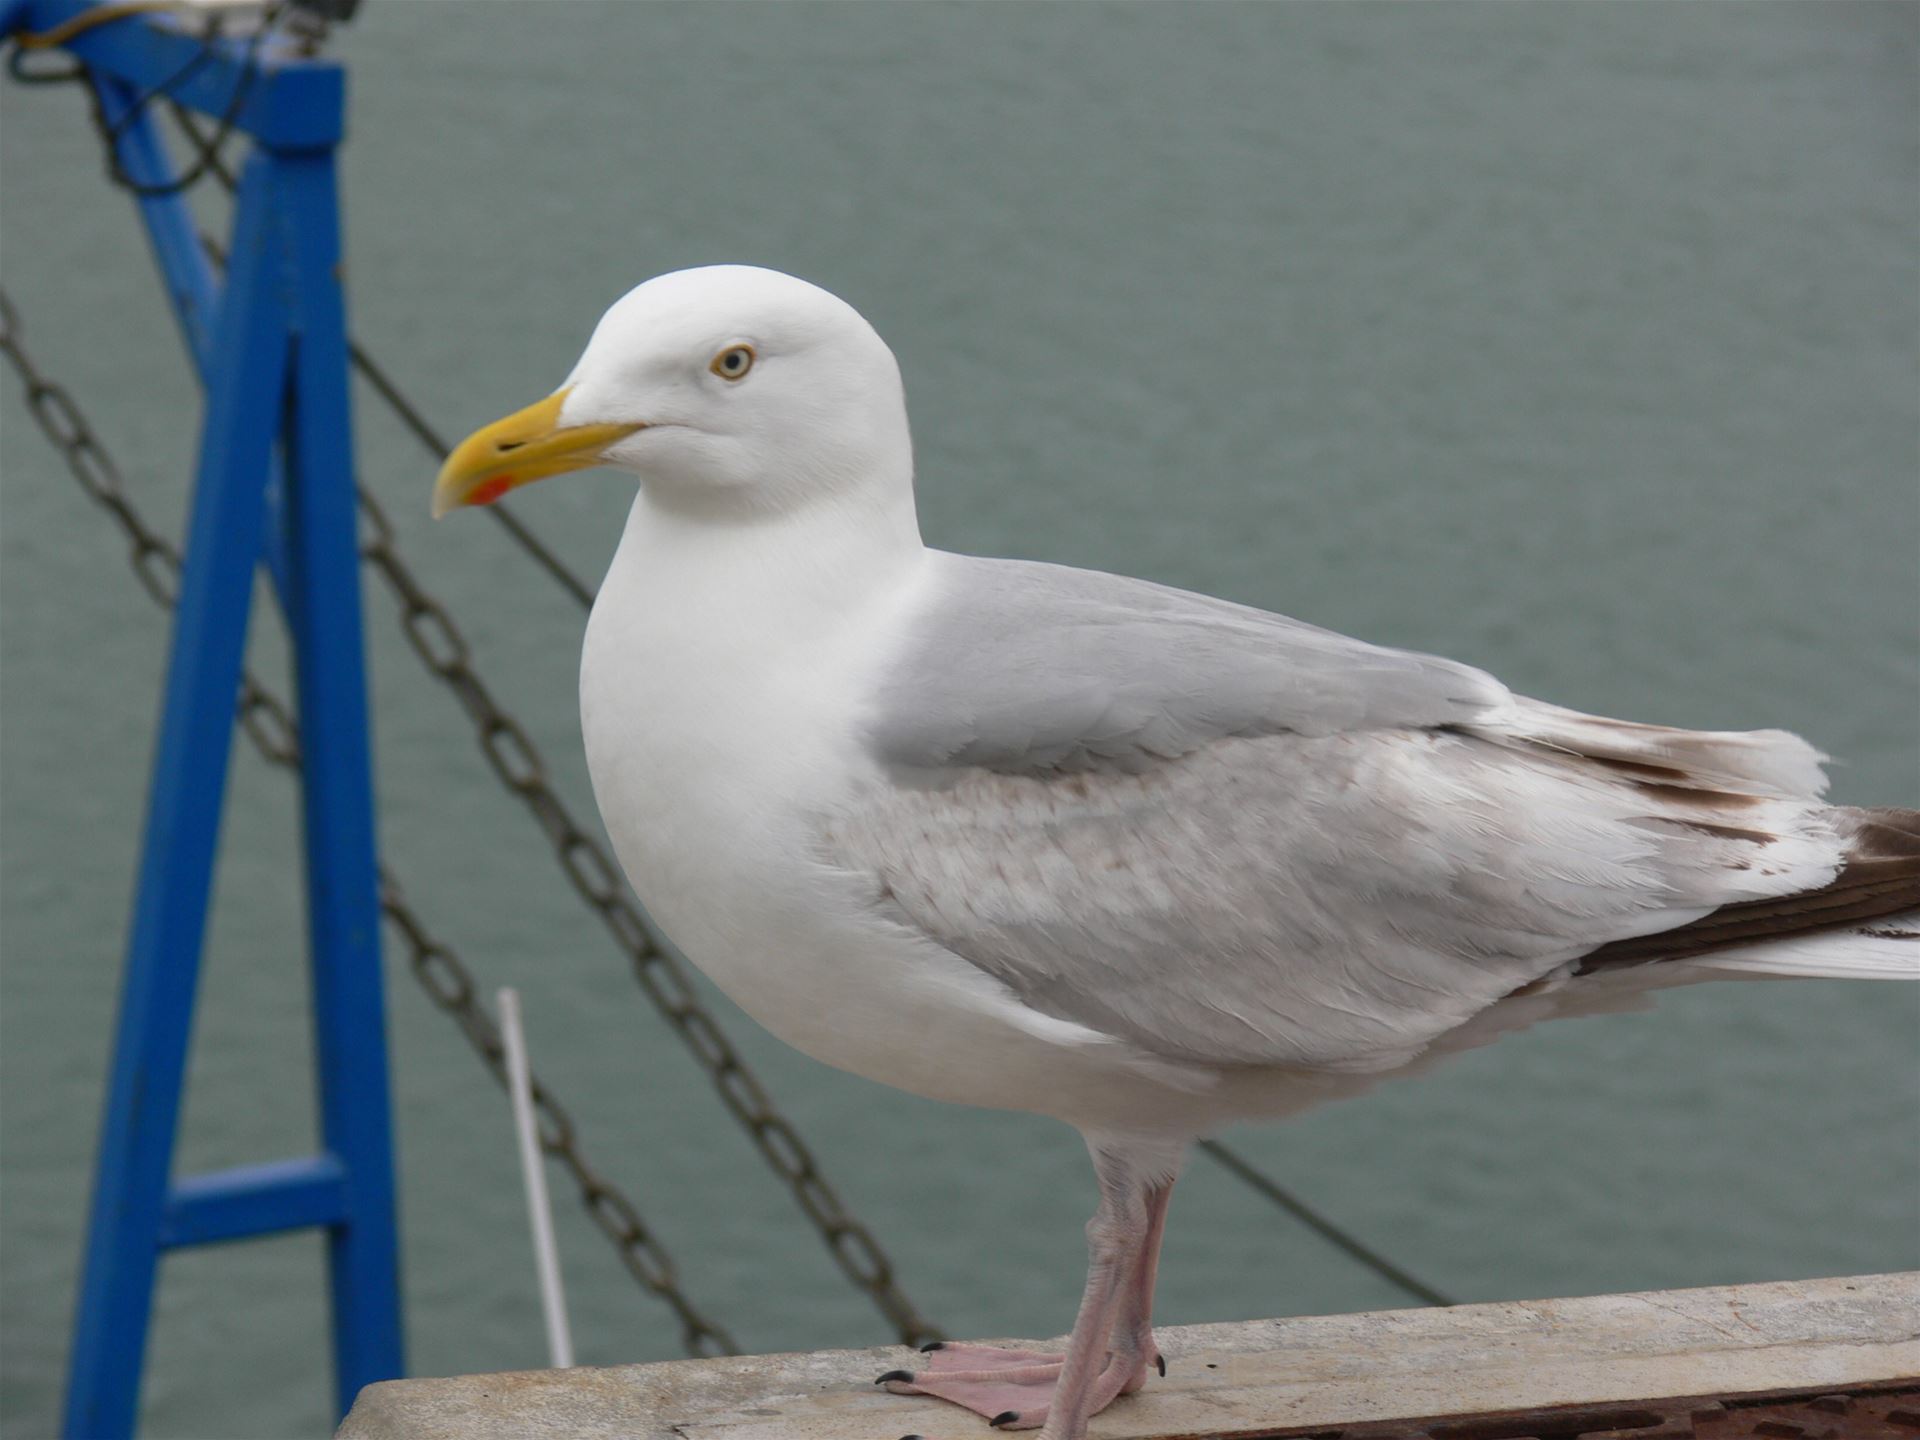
546	1257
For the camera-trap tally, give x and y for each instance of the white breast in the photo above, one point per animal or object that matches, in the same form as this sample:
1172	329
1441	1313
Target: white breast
720	705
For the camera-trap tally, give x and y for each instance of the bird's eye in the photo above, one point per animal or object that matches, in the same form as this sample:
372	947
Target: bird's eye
733	362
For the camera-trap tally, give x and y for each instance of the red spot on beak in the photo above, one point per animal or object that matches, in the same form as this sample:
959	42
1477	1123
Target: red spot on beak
490	490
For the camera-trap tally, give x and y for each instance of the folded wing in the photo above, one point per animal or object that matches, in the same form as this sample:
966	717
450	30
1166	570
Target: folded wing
1237	840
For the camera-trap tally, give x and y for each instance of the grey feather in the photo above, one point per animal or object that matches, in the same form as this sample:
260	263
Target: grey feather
1022	667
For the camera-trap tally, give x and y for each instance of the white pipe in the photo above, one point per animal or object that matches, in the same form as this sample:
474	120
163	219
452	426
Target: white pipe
546	1257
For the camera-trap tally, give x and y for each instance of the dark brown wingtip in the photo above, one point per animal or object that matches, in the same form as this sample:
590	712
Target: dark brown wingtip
1880	877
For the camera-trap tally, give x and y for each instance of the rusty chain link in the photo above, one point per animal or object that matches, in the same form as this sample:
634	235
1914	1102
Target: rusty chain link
517	760
270	725
52	408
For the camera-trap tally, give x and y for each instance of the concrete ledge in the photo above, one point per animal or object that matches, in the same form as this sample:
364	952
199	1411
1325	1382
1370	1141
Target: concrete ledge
1240	1379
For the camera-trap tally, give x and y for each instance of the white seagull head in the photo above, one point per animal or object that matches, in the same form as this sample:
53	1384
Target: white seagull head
727	387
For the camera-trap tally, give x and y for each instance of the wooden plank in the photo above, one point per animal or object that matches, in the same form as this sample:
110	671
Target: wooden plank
1240	1379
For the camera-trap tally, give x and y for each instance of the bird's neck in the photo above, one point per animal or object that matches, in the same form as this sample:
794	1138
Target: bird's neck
821	558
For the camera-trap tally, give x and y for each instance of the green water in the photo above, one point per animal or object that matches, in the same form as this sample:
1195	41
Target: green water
1576	341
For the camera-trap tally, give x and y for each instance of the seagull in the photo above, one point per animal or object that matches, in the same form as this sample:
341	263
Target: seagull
1023	836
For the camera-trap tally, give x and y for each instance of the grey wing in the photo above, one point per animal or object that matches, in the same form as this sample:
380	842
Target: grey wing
1023	667
1232	839
1339	901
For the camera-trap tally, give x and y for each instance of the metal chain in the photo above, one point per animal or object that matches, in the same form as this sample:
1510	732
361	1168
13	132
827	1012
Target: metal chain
269	724
450	985
435	444
152	557
517	760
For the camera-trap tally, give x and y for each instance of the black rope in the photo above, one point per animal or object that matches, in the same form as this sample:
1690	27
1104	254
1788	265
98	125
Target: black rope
1324	1227
55	74
207	149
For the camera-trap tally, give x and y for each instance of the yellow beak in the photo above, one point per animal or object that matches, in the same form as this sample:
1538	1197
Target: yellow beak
518	450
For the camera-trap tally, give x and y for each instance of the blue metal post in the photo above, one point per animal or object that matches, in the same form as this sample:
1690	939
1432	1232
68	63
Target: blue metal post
271	347
183	822
185	267
343	911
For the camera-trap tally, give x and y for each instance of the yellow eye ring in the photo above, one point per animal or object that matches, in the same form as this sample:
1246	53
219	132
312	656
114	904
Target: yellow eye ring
733	362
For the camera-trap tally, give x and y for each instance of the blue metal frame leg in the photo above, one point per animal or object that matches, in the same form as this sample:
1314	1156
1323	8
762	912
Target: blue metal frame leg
322	598
274	485
182	828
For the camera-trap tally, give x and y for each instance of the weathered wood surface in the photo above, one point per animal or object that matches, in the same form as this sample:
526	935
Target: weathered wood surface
1235	1379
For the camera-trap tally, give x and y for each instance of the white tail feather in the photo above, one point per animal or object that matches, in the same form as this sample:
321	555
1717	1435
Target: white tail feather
1885	950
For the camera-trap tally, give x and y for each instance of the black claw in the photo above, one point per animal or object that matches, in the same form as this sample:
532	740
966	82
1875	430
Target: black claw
933	1345
913	1437
906	1375
1161	1361
1005	1417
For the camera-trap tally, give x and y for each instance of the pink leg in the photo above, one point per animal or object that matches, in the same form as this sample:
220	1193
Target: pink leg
1133	1343
1112	1342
